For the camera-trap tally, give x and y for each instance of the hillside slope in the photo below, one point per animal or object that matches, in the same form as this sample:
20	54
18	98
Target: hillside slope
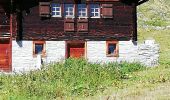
154	23
154	13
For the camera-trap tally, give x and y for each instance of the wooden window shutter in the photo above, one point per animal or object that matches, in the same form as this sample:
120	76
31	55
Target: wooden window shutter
82	25
107	10
44	9
69	25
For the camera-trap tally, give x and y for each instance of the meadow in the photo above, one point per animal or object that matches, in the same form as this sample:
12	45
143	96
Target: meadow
71	78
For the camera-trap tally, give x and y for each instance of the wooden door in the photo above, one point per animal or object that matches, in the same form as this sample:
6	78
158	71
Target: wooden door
76	50
4	55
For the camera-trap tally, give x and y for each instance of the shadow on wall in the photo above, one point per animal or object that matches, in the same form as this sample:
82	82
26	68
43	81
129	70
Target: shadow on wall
20	43
134	43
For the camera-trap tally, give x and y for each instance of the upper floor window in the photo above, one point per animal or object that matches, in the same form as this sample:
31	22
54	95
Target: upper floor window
69	10
94	11
82	10
56	10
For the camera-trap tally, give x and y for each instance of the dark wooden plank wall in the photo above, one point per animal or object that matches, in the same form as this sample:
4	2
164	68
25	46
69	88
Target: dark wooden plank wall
4	19
120	27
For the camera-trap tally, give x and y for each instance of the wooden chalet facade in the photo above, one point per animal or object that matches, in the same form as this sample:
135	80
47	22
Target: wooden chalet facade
95	29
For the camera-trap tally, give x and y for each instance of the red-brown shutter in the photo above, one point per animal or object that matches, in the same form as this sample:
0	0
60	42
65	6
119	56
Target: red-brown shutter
107	10
103	0
69	25
82	25
44	9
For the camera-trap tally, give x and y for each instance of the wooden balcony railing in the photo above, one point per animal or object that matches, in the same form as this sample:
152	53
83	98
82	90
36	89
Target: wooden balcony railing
5	31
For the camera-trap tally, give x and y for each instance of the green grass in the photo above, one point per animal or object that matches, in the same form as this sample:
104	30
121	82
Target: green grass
72	78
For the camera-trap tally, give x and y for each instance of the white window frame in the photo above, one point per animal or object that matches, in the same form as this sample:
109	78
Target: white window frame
81	11
55	11
68	10
95	11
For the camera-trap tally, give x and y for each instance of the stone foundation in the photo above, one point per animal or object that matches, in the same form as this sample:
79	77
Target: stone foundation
148	53
23	60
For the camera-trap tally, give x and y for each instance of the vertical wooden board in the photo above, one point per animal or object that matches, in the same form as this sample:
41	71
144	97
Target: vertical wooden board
77	52
4	55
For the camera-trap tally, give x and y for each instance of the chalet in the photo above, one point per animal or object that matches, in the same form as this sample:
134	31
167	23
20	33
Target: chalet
52	30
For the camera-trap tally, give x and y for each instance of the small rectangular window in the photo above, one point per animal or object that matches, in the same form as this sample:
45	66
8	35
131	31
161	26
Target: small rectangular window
56	10
94	11
112	49
39	48
82	11
69	10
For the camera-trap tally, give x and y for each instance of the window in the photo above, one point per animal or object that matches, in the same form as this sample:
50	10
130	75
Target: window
56	10
94	11
69	10
112	49
39	48
82	10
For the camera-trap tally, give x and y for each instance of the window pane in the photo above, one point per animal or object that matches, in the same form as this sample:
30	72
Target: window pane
38	48
57	13
66	13
96	14
91	10
84	10
71	13
57	9
111	48
53	9
71	9
53	13
84	14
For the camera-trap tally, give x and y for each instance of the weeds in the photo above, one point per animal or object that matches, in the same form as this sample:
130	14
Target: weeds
74	77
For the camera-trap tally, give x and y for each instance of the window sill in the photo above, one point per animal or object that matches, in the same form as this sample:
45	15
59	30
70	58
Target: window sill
69	17
42	55
83	17
95	17
111	55
68	30
56	16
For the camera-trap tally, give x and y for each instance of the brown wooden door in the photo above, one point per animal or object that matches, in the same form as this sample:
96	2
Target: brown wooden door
76	50
4	55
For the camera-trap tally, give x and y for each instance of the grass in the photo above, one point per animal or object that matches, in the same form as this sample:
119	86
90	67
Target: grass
72	78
